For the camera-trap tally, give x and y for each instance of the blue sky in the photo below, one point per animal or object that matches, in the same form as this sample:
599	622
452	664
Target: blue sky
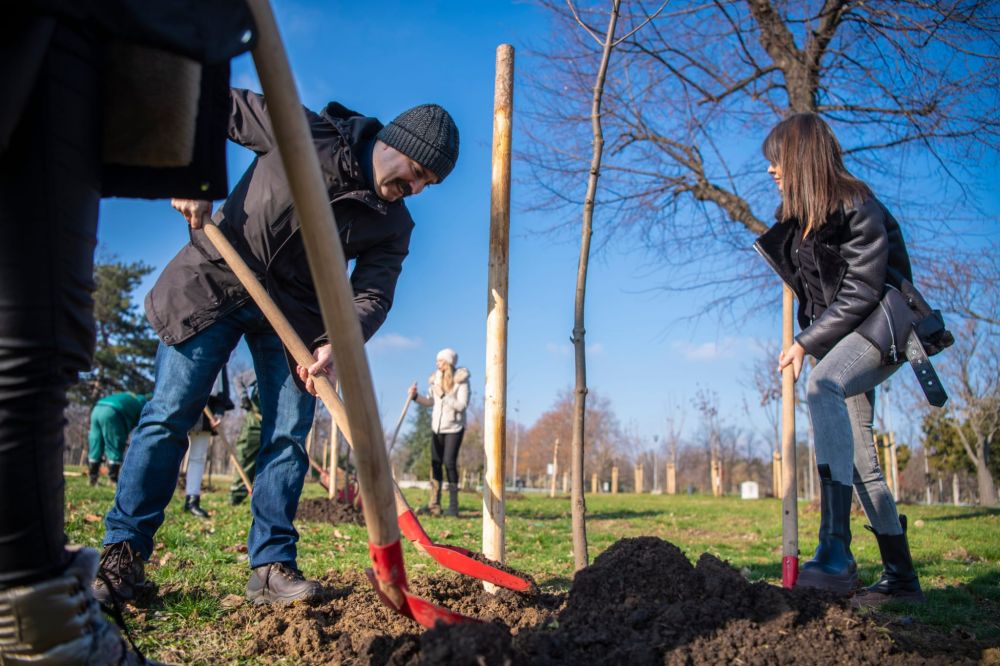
383	57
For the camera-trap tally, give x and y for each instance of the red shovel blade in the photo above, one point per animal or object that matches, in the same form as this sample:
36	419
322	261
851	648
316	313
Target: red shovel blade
456	558
387	567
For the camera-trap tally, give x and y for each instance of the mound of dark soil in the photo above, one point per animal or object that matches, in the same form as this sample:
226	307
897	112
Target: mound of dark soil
321	510
640	602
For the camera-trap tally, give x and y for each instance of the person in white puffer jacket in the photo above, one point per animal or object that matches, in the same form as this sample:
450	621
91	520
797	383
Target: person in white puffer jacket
448	394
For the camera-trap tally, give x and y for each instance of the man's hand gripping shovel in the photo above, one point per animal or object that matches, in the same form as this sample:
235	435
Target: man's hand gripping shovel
326	263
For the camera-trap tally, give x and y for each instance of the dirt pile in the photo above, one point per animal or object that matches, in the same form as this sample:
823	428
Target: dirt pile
640	602
321	510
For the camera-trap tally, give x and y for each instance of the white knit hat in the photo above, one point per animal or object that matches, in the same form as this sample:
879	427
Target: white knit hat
449	356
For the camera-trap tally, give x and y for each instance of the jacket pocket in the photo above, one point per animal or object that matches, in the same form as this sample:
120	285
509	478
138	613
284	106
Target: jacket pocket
888	326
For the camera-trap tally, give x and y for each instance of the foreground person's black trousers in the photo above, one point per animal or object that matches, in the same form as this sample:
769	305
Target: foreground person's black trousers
49	195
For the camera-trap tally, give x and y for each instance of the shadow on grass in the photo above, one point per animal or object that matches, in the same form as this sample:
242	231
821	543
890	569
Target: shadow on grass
982	512
623	514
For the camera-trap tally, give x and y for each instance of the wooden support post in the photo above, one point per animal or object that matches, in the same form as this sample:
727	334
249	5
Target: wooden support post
614	480
594	487
565	485
776	473
555	468
331	492
789	488
671	478
334	477
638	478
495	416
893	466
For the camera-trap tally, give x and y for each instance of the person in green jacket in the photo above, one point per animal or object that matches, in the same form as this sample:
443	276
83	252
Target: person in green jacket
111	421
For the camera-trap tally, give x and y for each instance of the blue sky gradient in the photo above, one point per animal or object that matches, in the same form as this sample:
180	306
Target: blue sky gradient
381	58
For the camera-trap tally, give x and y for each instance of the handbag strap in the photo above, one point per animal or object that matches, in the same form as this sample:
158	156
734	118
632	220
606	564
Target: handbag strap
922	368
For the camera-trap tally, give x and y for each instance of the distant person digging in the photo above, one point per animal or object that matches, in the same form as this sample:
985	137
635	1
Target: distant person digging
200	311
448	394
111	421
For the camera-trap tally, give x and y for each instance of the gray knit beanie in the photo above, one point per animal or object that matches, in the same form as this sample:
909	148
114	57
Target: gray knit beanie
427	135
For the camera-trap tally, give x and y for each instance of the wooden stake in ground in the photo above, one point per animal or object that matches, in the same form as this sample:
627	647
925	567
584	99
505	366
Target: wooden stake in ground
789	488
594	488
671	478
639	485
614	480
555	468
495	415
331	492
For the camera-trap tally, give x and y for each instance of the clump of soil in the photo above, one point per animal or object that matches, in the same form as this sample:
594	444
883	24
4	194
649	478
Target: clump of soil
640	602
322	510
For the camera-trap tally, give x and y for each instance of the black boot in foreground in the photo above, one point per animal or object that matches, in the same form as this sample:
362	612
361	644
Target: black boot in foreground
832	567
899	580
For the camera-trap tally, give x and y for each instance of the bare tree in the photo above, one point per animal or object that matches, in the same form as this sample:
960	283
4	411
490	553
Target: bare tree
971	371
910	86
607	45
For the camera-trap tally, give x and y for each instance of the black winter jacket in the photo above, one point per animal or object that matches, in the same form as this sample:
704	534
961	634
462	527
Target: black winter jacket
857	252
197	287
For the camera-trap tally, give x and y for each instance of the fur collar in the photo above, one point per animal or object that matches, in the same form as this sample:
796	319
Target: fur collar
461	376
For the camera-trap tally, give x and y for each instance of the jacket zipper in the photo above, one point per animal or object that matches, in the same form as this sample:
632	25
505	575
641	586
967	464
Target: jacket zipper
892	331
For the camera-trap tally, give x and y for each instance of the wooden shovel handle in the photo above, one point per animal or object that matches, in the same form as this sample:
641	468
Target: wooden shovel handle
328	267
232	453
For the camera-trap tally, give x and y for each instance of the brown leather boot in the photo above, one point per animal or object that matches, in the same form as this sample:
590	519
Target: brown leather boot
280	582
434	503
124	569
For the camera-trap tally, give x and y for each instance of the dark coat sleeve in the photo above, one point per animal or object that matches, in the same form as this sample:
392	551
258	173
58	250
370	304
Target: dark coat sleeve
865	250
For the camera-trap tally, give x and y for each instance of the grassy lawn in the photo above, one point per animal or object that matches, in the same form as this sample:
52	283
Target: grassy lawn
198	563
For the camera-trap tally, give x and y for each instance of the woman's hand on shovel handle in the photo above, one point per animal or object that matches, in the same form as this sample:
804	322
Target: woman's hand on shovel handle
795	355
323	366
195	211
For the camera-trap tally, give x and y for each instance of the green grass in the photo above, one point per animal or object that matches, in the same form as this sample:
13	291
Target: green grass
198	563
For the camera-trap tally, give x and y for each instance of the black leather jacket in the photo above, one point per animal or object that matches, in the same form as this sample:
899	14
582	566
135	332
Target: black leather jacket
858	251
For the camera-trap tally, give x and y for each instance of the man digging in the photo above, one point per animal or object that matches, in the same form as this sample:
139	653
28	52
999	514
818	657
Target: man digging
200	311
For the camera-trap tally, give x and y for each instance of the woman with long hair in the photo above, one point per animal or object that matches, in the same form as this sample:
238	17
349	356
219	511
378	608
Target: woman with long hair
838	248
448	394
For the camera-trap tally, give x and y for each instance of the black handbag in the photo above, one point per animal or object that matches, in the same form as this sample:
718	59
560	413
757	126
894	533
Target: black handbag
905	327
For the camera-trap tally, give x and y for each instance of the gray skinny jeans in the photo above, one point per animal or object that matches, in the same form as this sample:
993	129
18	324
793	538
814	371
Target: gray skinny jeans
841	396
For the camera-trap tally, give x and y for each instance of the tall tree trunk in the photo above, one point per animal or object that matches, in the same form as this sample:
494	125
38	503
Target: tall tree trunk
987	488
577	499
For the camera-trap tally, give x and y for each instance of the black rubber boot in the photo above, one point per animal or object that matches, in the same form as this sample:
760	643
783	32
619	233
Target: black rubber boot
279	582
832	566
899	581
94	472
452	500
192	504
113	469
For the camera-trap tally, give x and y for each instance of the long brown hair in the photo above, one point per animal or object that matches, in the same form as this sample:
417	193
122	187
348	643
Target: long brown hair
814	181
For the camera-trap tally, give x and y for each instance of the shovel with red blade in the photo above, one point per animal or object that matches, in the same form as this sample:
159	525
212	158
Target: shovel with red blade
326	263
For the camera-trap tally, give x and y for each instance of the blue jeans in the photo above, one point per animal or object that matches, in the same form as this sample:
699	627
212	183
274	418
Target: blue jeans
841	397
185	374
